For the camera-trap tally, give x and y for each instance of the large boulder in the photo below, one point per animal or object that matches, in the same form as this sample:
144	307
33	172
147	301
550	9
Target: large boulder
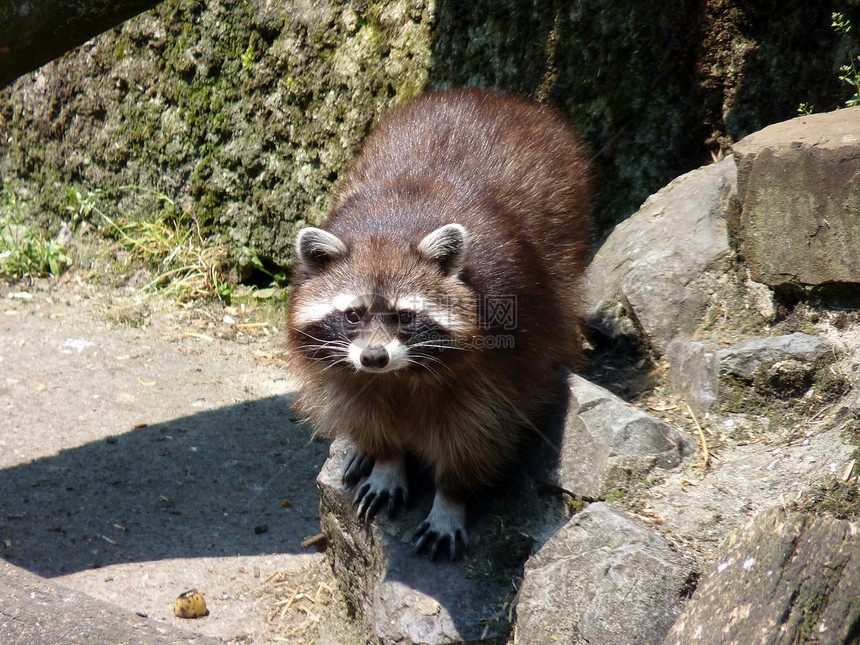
782	578
602	579
240	114
799	189
654	275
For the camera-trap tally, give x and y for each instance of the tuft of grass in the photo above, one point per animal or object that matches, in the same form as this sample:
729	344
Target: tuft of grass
168	242
833	498
165	241
25	252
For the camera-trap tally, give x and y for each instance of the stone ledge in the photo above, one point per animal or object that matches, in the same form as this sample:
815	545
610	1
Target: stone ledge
799	191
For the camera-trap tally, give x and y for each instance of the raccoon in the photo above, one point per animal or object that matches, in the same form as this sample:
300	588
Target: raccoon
432	313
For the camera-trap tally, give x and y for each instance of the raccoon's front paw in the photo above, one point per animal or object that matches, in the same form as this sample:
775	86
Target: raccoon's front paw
445	525
387	481
355	466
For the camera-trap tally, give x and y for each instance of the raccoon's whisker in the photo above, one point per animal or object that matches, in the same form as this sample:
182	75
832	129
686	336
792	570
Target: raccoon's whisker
430	357
323	345
340	360
304	333
317	355
332	344
425	363
321	340
427	367
331	360
325	351
332	352
437	345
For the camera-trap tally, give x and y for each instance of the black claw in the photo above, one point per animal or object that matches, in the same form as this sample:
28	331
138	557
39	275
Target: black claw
397	501
424	537
421	536
367	501
355	466
458	540
362	491
375	505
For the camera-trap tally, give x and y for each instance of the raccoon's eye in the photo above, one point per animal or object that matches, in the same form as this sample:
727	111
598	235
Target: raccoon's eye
405	317
352	316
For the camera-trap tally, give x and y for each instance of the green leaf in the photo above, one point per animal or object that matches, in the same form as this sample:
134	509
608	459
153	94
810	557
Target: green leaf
262	294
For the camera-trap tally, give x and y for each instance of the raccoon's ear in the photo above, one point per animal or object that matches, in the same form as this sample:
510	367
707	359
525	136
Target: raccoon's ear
314	248
447	245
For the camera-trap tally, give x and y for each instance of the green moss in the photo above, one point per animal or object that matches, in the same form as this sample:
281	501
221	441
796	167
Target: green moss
775	389
811	614
370	33
783	381
616	495
572	504
833	498
410	87
739	396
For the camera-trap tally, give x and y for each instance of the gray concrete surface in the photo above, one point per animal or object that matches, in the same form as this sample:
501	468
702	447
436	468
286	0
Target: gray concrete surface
36	611
145	448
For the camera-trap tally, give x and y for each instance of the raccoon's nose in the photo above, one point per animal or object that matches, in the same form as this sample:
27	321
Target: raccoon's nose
375	357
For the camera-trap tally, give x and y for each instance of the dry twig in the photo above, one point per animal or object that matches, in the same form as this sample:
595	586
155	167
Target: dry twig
706	454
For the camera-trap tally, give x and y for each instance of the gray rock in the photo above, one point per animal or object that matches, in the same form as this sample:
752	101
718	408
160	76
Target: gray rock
654	274
694	372
799	188
781	578
400	597
608	445
708	375
602	579
744	360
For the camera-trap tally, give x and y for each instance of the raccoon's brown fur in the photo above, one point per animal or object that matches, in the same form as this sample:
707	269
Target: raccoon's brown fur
516	181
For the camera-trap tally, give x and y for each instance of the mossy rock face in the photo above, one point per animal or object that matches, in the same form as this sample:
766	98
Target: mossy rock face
794	576
241	112
621	71
654	88
245	112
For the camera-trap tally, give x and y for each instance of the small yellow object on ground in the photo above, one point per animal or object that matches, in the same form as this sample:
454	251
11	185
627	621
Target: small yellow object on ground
190	604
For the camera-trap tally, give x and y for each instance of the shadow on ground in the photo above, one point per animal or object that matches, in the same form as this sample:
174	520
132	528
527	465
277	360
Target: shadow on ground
225	482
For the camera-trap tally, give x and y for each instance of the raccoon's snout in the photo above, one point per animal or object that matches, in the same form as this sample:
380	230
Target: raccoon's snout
374	357
389	357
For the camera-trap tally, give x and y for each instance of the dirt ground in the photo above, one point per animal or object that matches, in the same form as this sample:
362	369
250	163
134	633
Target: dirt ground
147	448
